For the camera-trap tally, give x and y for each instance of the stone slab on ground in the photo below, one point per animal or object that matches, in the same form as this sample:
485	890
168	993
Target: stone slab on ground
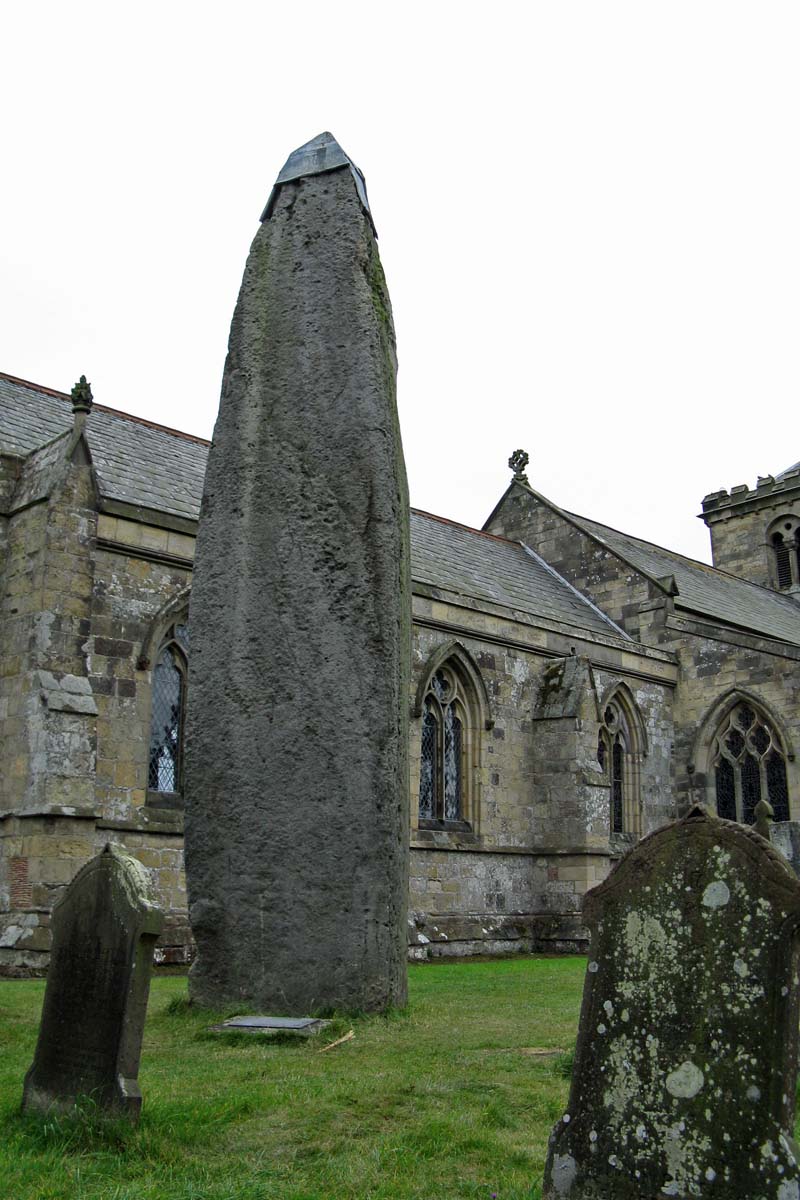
686	1062
105	927
267	1026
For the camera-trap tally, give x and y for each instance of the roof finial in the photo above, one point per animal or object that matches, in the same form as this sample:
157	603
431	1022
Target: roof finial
81	404
518	462
82	396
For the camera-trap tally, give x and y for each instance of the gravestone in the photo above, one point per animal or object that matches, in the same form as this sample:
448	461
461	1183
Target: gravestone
104	927
686	1063
296	771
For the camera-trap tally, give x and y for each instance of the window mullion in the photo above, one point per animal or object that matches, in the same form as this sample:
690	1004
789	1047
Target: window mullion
737	787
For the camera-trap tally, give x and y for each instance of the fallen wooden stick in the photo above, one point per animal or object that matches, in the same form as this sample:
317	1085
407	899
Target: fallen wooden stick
347	1037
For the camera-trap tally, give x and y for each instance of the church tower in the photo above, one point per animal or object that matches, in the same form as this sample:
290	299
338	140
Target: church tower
755	532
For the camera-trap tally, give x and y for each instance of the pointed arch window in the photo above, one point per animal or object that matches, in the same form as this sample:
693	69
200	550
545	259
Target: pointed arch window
619	757
168	711
445	782
748	763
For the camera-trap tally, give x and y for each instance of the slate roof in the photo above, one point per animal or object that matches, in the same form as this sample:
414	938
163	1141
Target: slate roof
707	591
136	461
156	468
459	559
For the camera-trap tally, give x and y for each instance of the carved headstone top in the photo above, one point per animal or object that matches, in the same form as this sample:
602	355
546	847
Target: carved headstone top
685	1069
104	929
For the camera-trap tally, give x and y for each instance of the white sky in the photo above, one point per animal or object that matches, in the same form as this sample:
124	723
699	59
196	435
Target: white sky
589	218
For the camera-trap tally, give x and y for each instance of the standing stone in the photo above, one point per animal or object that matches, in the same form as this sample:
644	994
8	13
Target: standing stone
685	1069
105	927
296	774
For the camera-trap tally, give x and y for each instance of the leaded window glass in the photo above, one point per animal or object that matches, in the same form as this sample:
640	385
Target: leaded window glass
617	786
429	771
617	757
751	788
748	763
168	705
442	780
452	765
726	790
777	787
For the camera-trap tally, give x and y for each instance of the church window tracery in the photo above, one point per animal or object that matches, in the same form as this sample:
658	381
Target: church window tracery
619	755
168	708
449	739
748	763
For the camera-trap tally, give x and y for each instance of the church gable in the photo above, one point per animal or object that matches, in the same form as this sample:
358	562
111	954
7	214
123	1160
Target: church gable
625	592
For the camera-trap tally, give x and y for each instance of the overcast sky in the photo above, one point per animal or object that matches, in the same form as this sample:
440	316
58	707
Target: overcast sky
589	218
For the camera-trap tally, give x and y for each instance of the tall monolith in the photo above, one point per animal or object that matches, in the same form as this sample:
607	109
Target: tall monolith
296	773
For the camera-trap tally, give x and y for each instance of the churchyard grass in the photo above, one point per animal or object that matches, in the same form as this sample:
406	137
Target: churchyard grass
443	1101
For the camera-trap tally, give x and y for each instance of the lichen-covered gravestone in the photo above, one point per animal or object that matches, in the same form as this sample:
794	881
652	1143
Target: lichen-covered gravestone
685	1069
104	930
296	770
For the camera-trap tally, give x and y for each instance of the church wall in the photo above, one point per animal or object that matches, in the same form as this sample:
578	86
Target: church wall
713	659
658	800
513	882
132	591
79	779
540	836
713	665
47	781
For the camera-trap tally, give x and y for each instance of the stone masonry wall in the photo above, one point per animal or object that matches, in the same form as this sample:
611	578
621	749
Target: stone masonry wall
713	660
715	667
541	830
514	882
77	778
131	592
740	523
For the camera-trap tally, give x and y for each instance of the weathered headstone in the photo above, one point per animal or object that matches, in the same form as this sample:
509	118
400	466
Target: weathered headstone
296	773
105	927
685	1069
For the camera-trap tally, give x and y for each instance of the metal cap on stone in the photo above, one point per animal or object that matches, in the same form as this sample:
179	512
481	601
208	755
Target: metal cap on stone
323	153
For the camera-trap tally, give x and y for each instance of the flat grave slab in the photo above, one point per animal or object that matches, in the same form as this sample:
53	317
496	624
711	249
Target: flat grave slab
266	1026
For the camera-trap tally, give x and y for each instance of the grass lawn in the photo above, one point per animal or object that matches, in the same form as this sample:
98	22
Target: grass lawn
441	1101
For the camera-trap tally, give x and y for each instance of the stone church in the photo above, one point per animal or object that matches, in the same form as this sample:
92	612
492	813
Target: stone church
572	687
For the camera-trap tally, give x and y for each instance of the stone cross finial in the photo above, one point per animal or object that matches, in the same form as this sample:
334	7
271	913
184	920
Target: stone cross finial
518	462
82	397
